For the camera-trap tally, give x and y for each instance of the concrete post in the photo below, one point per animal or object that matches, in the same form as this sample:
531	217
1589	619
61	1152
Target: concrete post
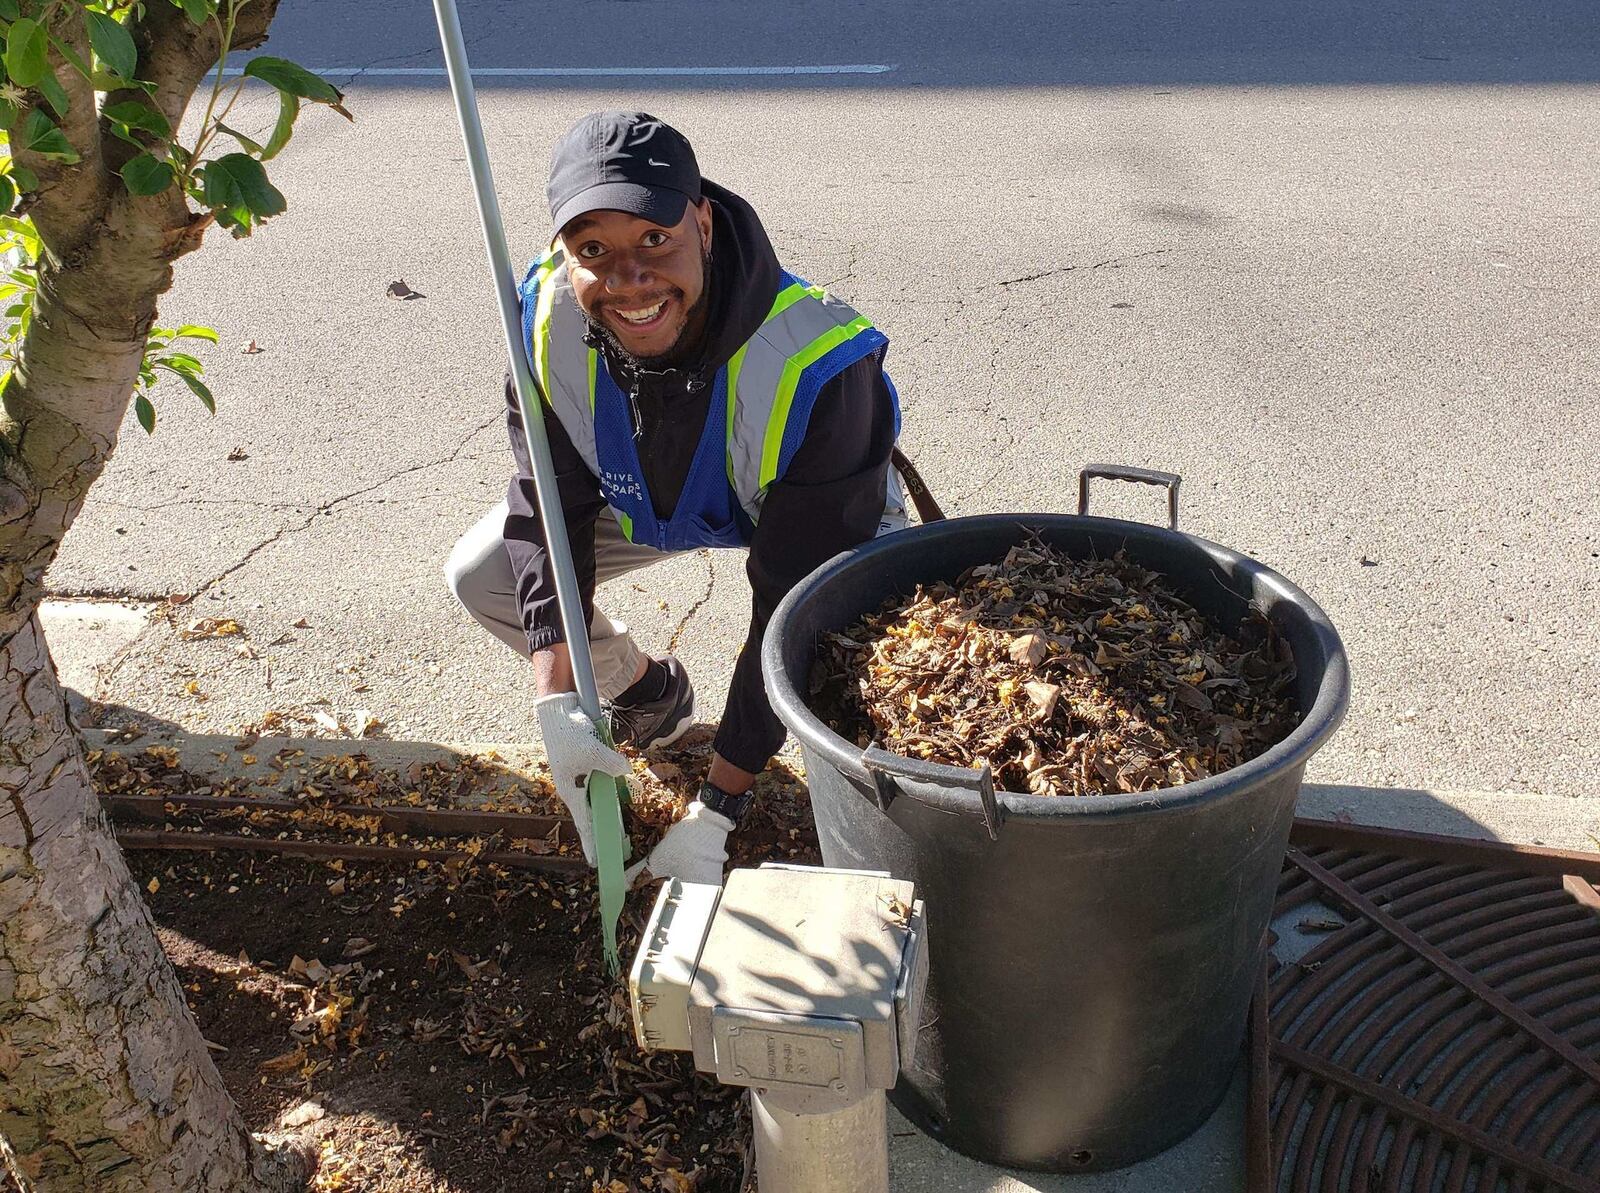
839	1151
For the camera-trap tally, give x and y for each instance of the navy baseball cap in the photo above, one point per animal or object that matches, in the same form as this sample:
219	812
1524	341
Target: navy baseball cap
622	161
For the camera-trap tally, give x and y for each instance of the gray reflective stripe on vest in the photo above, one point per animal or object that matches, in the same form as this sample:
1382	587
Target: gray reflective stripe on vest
562	363
803	325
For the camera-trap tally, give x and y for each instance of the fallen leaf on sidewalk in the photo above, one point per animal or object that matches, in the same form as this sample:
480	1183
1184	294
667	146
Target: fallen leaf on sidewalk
399	289
211	627
363	722
238	454
251	349
327	721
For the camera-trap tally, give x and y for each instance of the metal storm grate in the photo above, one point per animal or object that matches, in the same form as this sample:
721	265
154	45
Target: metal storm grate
1431	1022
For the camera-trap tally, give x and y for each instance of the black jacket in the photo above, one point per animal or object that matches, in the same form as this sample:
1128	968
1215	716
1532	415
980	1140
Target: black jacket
829	500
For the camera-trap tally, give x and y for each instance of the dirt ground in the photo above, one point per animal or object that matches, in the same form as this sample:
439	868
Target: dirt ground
446	1029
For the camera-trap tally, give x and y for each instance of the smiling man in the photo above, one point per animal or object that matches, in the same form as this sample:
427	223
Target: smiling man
702	397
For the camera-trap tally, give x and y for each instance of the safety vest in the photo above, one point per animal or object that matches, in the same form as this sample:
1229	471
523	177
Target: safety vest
760	405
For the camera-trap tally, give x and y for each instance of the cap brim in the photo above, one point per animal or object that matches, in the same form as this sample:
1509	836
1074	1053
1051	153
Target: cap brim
658	204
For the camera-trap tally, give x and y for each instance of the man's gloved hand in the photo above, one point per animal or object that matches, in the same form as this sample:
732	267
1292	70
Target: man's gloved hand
695	849
574	750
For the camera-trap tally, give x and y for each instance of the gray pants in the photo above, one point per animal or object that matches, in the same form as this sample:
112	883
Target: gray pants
479	573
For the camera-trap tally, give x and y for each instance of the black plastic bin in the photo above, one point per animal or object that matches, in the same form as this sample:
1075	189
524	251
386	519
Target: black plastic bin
1092	959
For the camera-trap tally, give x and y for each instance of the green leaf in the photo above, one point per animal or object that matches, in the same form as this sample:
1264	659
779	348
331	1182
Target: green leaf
9	10
192	331
238	136
147	175
41	136
181	362
8	193
146	413
113	43
194	383
26	59
288	109
53	91
293	78
236	188
198	11
141	116
26	179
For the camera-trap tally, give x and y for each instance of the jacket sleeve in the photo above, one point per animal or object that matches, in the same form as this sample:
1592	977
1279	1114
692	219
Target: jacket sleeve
524	533
828	501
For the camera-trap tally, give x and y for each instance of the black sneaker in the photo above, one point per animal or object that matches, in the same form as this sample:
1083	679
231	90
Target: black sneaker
651	724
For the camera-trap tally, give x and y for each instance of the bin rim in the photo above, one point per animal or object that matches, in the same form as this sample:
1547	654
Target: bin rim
950	787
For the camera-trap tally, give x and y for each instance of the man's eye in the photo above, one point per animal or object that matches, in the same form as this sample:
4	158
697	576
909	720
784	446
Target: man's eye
591	249
655	240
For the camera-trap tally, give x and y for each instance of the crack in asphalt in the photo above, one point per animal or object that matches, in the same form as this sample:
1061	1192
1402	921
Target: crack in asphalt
849	269
328	507
986	413
1060	269
107	670
711	584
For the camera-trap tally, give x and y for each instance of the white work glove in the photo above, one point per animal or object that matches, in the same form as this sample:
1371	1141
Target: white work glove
574	750
695	849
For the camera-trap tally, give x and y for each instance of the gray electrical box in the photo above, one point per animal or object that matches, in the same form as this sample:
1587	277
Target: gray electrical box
803	980
804	985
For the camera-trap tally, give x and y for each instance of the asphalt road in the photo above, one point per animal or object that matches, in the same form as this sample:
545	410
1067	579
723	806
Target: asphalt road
1337	269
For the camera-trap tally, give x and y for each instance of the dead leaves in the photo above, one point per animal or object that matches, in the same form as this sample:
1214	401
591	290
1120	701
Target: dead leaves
211	627
1066	677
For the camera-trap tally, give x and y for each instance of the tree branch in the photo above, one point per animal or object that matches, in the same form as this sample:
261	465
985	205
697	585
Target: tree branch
175	54
70	199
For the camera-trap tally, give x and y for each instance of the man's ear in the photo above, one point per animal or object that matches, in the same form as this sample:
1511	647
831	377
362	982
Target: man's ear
702	217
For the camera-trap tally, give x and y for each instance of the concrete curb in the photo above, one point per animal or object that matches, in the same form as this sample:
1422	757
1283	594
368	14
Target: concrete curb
1555	821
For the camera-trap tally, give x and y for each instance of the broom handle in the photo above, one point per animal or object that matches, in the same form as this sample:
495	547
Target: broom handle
505	292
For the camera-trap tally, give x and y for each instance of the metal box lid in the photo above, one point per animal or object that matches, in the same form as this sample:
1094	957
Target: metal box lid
804	943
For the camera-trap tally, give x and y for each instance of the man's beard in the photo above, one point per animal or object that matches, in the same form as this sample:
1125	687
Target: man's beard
675	356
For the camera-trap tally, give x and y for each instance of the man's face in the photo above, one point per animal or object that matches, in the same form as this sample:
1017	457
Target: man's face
639	280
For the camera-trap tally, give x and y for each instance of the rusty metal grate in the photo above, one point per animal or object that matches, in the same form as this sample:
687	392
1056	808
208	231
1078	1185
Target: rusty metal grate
1431	1024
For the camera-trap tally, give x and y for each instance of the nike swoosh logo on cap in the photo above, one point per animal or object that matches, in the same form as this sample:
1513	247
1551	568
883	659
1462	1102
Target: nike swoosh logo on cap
650	161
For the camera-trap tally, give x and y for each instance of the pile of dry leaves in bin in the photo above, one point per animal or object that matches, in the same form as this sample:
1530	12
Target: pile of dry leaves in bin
1067	677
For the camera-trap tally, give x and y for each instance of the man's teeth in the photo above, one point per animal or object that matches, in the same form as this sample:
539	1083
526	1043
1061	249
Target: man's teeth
643	314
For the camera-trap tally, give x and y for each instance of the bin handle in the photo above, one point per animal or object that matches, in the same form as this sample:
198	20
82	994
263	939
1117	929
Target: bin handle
887	770
1126	472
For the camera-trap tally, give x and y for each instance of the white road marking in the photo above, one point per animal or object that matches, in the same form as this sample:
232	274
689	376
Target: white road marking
604	72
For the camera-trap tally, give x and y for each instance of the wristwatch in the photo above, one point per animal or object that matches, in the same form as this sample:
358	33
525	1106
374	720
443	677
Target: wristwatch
724	802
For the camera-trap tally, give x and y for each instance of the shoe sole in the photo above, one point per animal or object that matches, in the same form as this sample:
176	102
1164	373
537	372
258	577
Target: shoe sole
678	731
681	727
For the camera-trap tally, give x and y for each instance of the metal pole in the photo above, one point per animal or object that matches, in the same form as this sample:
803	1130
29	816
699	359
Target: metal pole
605	793
505	290
839	1151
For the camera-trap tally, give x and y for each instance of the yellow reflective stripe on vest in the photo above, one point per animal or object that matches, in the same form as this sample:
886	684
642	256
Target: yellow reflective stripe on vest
627	525
541	326
772	445
594	365
786	298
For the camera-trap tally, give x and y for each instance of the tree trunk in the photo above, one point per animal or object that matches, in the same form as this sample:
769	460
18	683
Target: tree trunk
105	1082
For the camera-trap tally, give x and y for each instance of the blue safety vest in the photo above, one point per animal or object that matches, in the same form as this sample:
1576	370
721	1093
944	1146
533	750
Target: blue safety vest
761	403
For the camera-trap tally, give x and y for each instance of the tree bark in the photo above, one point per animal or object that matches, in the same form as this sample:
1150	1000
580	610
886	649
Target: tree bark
105	1082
